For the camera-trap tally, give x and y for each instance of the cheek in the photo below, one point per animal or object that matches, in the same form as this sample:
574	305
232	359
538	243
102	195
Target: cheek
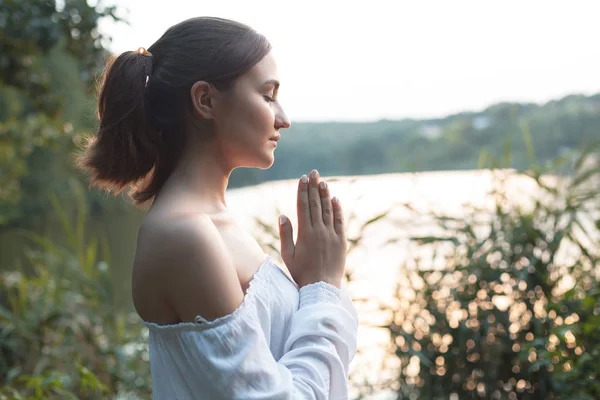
259	117
249	120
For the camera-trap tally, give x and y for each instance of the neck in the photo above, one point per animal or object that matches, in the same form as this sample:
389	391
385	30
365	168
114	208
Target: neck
202	175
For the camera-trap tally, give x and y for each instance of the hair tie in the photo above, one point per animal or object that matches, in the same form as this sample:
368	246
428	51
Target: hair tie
144	52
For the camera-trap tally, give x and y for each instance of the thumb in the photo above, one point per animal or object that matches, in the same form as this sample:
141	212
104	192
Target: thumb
287	239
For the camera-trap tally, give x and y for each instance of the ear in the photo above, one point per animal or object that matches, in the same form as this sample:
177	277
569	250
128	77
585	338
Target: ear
203	99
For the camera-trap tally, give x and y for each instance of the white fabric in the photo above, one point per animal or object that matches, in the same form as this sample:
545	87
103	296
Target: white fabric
280	343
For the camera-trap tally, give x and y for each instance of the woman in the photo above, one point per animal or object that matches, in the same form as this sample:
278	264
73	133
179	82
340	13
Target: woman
225	321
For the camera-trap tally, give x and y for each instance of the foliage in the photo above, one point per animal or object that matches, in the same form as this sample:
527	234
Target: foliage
50	53
513	309
61	335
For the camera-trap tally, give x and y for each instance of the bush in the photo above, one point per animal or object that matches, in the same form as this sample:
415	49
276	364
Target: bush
513	312
61	336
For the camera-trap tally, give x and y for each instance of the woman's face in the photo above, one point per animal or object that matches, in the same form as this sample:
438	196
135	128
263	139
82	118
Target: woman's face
248	117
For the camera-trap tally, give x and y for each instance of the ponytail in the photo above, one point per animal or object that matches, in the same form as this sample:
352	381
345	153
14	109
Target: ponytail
126	145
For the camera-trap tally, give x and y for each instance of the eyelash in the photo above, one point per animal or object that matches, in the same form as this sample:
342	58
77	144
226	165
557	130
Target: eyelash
269	99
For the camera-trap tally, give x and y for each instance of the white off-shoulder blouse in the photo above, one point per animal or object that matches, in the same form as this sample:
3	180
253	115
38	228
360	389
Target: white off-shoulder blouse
282	342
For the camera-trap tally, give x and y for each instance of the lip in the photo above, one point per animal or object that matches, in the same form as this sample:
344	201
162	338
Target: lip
275	138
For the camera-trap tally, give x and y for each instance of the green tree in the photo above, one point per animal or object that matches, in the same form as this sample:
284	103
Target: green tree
50	53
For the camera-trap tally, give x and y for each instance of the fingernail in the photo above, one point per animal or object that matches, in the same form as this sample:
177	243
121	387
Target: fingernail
322	185
335	199
282	219
314	173
304	179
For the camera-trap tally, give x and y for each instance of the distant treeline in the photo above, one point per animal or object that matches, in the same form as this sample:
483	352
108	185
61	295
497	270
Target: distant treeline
452	143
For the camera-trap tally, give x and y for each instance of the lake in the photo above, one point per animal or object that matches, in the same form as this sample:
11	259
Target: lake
375	263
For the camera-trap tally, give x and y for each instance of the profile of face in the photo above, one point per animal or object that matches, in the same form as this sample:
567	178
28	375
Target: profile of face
247	117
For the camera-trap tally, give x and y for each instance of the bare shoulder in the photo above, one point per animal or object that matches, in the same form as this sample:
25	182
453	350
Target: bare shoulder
191	263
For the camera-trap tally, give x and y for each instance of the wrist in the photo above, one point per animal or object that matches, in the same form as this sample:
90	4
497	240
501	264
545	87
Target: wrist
319	293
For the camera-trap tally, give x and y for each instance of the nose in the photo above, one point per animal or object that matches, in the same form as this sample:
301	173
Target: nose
283	124
281	120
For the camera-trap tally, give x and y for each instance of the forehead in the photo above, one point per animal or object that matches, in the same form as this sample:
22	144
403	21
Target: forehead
263	71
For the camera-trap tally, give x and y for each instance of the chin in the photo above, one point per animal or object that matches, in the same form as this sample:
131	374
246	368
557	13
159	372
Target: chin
264	161
267	163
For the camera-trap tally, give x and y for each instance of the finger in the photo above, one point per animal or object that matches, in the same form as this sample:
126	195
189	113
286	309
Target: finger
339	223
302	204
327	209
314	198
286	233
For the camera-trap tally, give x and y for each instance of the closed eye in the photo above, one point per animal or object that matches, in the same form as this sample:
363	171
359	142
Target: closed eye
269	99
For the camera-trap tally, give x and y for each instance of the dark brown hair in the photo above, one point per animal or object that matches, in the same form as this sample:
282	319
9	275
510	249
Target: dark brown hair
144	98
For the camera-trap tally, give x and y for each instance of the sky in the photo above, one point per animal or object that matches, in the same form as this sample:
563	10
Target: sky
371	60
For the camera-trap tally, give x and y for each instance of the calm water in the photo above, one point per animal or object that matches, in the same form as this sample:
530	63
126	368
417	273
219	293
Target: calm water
375	263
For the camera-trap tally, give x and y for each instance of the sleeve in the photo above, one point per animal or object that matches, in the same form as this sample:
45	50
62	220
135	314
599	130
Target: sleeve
236	361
